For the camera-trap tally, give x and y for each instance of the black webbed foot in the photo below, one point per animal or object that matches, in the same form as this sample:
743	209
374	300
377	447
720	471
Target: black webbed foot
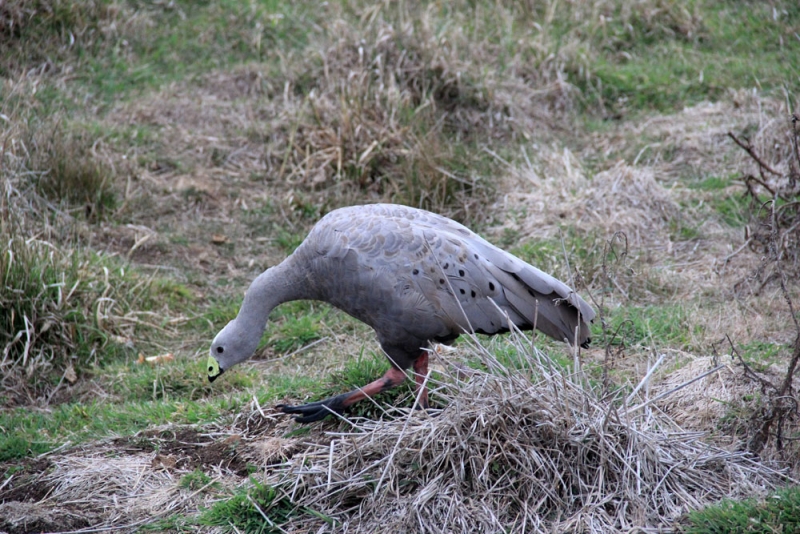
315	411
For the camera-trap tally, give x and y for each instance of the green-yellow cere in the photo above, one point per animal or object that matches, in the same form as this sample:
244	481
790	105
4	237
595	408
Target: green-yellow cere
213	367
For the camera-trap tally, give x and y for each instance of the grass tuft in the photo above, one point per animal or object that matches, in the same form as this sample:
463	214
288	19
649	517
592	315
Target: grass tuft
59	311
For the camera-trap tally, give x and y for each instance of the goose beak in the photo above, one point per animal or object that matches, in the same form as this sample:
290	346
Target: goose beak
214	370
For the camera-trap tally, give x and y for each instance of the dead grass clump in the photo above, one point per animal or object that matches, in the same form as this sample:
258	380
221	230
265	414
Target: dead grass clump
127	483
712	402
380	118
97	489
515	454
733	401
18	517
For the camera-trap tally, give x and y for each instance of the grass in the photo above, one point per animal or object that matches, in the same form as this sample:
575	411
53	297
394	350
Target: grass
294	333
728	202
778	513
197	480
149	44
59	308
259	509
723	49
68	173
142	396
279	112
666	325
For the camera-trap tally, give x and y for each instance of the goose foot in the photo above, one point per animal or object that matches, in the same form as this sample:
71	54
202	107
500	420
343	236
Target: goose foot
316	411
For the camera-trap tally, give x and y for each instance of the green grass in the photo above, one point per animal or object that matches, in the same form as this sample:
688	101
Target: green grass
162	43
779	513
294	333
733	207
667	325
733	44
259	509
175	523
141	396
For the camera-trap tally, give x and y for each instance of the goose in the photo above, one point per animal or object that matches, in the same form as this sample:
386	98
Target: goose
415	277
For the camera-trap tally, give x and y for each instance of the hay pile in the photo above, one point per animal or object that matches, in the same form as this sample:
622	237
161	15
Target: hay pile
95	488
513	453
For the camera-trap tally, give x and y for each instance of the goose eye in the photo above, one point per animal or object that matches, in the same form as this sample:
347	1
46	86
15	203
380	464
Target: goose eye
220	350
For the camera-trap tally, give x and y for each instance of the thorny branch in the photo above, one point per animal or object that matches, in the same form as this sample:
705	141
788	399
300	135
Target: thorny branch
779	241
749	149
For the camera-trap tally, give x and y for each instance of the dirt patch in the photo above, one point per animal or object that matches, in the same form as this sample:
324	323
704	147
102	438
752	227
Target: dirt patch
25	483
187	449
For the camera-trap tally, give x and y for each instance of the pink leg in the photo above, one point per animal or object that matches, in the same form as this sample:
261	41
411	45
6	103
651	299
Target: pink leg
420	372
321	409
390	379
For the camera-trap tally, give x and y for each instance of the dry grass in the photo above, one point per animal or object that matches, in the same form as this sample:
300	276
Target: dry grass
68	172
85	491
64	308
623	198
713	401
520	451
